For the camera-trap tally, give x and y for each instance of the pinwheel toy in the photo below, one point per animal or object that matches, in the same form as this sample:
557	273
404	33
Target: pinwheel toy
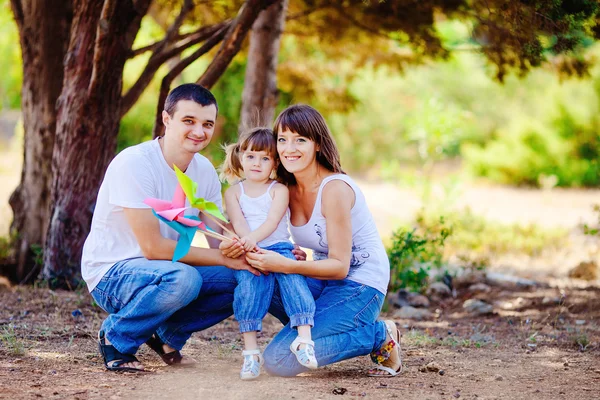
171	213
209	208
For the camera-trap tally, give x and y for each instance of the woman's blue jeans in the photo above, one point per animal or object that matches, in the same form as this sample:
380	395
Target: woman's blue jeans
345	326
172	299
253	295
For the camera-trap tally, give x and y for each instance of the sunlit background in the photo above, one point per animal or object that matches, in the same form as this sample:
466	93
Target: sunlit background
512	168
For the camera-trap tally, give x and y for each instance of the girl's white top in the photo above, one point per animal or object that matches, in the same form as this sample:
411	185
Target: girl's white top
369	263
256	210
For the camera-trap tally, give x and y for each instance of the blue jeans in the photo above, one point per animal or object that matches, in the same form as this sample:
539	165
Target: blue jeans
345	326
254	293
172	299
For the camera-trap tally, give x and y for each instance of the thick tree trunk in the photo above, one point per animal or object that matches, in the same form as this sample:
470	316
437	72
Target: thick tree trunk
87	126
44	35
259	97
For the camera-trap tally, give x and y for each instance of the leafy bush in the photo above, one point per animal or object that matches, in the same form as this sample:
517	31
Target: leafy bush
590	229
568	150
413	253
476	238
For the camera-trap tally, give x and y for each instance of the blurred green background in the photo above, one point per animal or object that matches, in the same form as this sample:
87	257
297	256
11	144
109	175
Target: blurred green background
540	130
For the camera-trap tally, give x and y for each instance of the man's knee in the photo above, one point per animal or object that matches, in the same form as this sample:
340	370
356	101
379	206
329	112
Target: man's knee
185	283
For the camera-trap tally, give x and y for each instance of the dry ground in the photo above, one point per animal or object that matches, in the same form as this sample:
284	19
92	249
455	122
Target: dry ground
538	344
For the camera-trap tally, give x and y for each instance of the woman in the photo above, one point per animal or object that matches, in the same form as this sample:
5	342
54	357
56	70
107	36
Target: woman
328	214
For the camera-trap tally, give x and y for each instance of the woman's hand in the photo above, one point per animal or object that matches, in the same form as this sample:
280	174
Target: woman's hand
269	261
231	248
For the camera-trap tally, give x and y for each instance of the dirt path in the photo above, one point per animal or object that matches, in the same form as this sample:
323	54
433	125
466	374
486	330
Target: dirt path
541	343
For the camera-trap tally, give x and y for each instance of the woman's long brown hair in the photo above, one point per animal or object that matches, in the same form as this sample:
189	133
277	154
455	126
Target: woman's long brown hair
309	123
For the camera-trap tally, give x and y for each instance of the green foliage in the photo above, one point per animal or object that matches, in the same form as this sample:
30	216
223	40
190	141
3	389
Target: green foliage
593	230
475	239
413	253
10	62
568	150
7	248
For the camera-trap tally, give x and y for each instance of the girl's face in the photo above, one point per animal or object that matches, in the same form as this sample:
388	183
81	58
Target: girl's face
257	165
295	152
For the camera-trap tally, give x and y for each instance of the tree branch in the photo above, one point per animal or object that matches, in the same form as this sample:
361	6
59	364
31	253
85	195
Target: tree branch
102	39
173	30
233	41
177	69
178	38
156	61
17	8
360	24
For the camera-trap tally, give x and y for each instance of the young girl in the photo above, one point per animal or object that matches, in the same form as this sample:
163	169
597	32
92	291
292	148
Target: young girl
257	208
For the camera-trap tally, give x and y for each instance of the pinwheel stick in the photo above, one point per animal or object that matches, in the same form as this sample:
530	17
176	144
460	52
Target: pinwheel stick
219	222
214	234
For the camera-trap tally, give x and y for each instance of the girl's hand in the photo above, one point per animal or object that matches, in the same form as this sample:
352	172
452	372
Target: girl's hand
231	248
299	253
249	244
269	261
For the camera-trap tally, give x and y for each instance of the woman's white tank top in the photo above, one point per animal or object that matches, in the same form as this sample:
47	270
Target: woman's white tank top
256	210
369	263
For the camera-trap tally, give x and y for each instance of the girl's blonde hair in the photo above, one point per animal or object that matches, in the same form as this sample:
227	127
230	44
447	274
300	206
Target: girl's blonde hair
257	139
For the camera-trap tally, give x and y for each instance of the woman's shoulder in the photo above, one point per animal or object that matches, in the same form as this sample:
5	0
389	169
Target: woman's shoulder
338	185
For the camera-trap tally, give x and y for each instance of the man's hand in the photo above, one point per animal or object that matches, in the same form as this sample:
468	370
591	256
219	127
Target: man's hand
241	264
231	248
299	253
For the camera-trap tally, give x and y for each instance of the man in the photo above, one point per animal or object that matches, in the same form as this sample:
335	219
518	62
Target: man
126	257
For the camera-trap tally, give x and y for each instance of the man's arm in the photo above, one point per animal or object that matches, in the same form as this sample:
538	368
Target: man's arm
155	246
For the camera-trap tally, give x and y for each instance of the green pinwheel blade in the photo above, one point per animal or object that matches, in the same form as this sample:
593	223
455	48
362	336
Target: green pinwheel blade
187	184
189	188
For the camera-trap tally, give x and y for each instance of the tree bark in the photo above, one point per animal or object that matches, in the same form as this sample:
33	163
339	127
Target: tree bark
259	97
44	35
233	41
87	126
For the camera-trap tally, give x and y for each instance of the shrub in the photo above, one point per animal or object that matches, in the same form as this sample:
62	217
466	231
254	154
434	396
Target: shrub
413	253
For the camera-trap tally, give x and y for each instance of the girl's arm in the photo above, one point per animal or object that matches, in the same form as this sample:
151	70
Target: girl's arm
281	200
232	202
337	201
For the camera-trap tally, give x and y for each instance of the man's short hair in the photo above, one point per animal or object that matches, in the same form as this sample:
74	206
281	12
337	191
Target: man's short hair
189	91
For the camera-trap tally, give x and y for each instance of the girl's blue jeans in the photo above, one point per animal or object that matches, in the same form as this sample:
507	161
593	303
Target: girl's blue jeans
253	295
173	300
345	326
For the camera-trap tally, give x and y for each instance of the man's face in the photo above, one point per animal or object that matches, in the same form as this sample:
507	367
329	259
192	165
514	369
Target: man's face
191	127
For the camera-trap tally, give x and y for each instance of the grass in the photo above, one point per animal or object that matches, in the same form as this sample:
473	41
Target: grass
9	340
478	239
418	338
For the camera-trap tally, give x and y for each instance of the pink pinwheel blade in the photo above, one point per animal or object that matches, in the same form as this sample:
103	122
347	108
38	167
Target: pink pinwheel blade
178	197
172	214
158	205
190	222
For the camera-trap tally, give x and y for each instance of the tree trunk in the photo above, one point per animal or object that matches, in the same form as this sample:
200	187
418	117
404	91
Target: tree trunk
87	126
44	35
259	97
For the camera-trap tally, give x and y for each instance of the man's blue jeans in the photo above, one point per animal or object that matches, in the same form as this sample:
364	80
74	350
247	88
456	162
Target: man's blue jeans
172	299
254	293
345	326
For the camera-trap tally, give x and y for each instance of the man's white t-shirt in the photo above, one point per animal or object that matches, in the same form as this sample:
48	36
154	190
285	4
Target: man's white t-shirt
135	174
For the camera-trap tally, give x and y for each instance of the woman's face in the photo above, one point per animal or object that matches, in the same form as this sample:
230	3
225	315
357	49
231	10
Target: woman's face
295	152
